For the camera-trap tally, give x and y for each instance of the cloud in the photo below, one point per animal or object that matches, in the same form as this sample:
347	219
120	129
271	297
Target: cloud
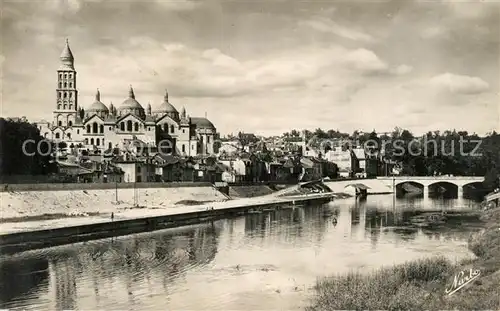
460	84
212	73
179	5
433	32
366	61
402	70
328	26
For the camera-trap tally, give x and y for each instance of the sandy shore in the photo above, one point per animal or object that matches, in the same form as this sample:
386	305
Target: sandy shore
129	213
80	202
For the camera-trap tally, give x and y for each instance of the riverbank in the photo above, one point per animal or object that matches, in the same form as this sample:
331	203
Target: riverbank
18	237
421	284
37	205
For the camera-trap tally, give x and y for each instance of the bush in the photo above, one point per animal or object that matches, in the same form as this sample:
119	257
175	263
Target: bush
399	287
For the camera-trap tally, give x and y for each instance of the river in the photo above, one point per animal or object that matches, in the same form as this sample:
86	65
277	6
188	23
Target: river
266	261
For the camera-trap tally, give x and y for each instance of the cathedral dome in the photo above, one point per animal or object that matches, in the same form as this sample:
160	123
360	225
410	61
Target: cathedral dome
98	106
166	107
202	123
130	102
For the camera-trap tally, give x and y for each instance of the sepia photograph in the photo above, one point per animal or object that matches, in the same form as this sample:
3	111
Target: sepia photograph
307	155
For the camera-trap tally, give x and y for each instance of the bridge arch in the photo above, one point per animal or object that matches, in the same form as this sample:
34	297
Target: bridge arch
447	188
474	184
355	188
410	187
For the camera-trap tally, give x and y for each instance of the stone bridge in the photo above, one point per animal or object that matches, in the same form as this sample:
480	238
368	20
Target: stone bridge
426	182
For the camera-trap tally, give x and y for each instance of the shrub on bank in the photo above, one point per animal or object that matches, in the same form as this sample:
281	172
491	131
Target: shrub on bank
420	284
396	288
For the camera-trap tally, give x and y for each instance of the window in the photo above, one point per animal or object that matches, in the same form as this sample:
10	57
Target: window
110	145
60	76
165	127
65	76
59	123
60	84
91	141
65	84
122	126
86	141
57	135
65	95
88	128
183	131
94	127
97	141
58	95
70	123
192	147
71	84
183	148
59	106
208	139
136	127
70	106
110	128
101	128
69	135
138	178
172	129
129	126
78	131
70	95
65	106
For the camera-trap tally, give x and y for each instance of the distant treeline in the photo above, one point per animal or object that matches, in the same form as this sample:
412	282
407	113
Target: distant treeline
440	153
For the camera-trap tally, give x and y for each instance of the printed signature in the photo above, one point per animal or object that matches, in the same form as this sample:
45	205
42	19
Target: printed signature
461	279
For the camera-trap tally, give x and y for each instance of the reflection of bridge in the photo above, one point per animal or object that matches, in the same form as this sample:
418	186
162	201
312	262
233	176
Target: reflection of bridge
426	182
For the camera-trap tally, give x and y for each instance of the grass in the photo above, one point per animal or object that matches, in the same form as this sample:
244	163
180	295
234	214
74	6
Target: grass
420	284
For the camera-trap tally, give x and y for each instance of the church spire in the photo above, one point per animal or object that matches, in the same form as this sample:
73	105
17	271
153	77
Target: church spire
131	92
166	95
98	95
67	56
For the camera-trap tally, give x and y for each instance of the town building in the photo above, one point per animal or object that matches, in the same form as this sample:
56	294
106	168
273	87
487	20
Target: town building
103	127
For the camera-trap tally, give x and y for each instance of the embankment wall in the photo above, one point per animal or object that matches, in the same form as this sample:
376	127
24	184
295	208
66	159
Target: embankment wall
20	241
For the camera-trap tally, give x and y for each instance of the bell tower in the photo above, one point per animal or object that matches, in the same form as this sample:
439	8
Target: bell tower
66	111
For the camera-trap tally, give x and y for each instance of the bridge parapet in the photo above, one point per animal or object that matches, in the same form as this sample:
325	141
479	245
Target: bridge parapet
431	178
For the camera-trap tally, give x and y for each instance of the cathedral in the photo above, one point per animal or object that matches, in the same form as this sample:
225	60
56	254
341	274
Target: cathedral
100	127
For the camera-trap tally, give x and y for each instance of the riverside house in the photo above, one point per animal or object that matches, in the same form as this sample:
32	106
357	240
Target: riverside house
312	168
174	168
136	169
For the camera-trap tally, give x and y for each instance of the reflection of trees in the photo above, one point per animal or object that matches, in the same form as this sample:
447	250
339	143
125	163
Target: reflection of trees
20	276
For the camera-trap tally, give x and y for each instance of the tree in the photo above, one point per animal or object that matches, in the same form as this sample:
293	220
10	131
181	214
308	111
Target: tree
492	179
22	150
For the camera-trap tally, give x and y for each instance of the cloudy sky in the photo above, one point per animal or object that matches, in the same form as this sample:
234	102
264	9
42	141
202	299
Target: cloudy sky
265	66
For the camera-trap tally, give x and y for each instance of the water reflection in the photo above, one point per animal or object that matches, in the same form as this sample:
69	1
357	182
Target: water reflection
254	262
